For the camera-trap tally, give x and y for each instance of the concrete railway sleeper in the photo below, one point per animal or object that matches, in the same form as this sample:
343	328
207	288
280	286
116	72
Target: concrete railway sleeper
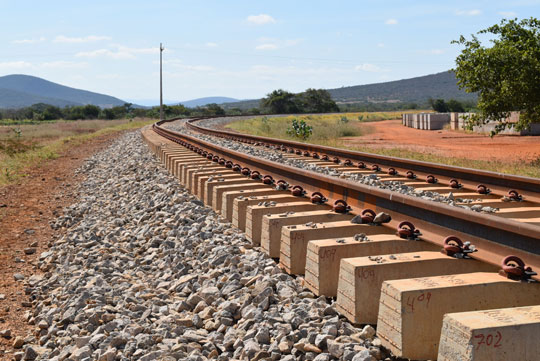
427	303
499	236
504	203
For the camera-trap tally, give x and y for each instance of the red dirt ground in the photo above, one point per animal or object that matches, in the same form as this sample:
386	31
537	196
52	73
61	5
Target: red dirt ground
29	206
392	134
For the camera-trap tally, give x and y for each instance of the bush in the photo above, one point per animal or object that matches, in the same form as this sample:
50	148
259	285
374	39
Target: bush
300	129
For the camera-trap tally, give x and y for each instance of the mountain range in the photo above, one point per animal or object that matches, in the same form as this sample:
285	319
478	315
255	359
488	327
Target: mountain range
413	90
207	100
188	103
18	91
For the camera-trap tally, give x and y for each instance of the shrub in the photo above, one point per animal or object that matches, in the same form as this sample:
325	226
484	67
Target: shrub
300	129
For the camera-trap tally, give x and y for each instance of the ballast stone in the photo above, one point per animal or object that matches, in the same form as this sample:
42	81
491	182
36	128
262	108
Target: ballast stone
132	278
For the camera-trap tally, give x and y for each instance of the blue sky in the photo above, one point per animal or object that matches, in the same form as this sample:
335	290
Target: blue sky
241	49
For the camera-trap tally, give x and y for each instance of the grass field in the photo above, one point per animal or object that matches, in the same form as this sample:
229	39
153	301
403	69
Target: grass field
26	145
327	128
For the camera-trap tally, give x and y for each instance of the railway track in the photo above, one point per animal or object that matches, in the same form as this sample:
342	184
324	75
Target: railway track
378	251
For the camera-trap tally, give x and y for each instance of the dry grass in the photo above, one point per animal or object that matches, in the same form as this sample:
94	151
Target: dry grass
39	142
55	130
327	128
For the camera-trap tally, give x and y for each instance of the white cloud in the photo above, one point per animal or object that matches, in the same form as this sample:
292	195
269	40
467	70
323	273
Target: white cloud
104	52
473	12
370	68
211	45
266	47
64	64
436	51
29	41
380	45
508	14
16	65
86	39
122	52
261	19
273	43
391	22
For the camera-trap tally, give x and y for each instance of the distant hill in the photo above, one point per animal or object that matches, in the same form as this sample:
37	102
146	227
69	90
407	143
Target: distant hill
18	91
14	99
414	90
208	100
199	102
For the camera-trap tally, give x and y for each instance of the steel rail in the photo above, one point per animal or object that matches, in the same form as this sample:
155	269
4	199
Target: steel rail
476	176
496	237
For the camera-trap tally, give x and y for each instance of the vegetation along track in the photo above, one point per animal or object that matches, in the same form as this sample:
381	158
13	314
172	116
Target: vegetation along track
382	270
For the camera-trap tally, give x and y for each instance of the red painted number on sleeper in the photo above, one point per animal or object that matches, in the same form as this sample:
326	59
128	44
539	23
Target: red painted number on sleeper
421	300
365	273
490	340
327	253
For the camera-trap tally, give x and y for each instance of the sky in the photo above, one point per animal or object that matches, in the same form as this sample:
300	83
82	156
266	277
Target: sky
242	49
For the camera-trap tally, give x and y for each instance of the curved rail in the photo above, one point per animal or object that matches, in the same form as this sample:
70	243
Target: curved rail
496	237
500	181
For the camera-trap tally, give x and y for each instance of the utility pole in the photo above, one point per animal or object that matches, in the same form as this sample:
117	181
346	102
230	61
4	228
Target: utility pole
161	48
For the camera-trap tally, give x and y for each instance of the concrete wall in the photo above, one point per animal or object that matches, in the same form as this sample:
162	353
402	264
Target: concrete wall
427	121
457	121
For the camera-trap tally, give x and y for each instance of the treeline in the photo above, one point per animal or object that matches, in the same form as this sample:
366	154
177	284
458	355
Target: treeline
379	107
43	112
277	102
452	105
311	101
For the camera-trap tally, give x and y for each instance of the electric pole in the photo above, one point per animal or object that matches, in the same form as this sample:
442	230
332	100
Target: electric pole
161	48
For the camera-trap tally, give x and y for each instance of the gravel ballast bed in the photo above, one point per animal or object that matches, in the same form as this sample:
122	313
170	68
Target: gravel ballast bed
146	272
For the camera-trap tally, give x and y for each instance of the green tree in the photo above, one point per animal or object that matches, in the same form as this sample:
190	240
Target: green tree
505	75
128	107
439	105
455	106
316	101
74	113
214	109
90	111
280	102
107	113
52	113
180	109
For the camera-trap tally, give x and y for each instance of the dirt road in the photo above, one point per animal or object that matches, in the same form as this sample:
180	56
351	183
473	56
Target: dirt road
25	211
449	143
